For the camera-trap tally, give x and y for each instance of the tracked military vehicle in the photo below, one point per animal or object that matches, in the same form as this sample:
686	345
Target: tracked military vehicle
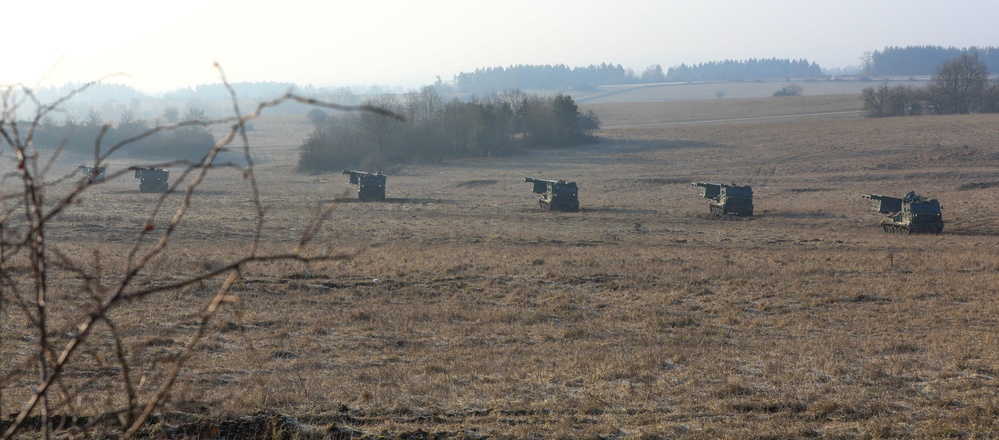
152	180
556	195
727	199
370	186
909	214
94	174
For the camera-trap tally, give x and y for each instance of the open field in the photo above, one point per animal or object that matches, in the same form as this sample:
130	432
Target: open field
466	312
731	90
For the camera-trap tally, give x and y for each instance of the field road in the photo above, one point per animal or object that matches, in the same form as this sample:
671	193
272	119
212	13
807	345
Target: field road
756	118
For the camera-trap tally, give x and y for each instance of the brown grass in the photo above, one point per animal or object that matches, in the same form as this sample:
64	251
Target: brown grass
732	91
469	312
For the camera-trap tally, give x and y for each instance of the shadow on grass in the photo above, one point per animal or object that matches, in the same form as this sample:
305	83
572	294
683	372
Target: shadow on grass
397	201
608	210
967	233
179	191
682	181
616	145
805	215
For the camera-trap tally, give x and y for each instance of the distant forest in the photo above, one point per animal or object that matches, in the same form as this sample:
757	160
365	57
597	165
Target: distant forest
750	70
891	61
547	77
921	60
116	100
189	143
484	112
960	86
561	77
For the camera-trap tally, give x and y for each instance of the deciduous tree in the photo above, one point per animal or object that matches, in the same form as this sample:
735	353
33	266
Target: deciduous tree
653	74
171	114
958	85
990	97
789	90
884	101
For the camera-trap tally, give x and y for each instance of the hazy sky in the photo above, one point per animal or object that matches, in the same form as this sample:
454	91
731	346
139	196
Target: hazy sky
171	44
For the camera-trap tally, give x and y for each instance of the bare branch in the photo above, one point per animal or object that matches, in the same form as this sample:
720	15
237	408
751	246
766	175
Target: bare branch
30	245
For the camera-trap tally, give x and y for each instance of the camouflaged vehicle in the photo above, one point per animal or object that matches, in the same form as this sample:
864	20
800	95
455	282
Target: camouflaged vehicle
556	195
727	199
152	180
94	174
370	186
909	214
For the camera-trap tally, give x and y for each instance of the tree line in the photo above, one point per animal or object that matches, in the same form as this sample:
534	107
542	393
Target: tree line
748	70
960	86
434	129
114	100
544	77
191	141
560	76
921	60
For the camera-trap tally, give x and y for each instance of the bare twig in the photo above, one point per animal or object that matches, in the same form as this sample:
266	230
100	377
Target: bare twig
31	240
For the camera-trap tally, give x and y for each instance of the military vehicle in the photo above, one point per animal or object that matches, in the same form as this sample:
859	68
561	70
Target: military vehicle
94	174
727	199
556	195
909	214
370	186
152	179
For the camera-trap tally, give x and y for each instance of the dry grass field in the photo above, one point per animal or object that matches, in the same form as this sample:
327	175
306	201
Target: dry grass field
738	90
468	313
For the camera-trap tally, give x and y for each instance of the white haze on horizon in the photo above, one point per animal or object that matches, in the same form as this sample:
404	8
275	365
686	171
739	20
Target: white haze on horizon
406	43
